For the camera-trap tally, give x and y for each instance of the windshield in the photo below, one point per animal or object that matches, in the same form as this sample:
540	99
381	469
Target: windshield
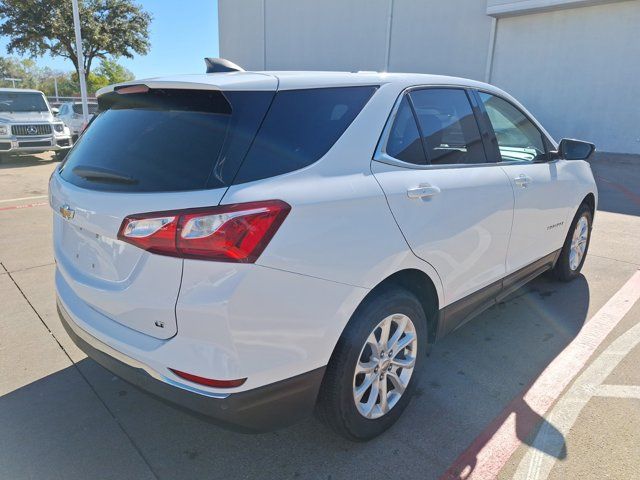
22	102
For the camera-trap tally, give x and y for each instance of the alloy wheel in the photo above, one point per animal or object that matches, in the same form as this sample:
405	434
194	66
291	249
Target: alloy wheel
385	366
579	243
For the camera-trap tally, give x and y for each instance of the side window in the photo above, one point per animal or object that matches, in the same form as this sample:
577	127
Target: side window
300	127
449	129
404	141
518	138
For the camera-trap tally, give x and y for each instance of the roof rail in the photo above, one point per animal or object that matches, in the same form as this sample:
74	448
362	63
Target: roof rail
217	65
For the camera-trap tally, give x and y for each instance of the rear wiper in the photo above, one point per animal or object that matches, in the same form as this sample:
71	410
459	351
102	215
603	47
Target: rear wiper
97	174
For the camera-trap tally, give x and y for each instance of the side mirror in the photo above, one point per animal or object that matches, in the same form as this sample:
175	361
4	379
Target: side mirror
55	111
571	149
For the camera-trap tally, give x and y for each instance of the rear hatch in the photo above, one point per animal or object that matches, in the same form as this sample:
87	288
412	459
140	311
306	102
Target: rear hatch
148	150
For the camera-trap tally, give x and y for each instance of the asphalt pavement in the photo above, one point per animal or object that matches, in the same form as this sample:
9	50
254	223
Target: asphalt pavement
478	407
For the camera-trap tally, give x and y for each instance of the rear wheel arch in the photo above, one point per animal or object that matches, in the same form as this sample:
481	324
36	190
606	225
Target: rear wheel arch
419	284
590	201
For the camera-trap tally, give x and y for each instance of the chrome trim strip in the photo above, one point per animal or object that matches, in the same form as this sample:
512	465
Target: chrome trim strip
132	362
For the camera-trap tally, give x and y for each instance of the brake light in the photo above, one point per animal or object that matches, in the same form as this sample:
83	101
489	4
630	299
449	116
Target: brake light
229	233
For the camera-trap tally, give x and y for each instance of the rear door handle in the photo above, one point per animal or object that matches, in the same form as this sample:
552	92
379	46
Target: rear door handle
522	180
423	191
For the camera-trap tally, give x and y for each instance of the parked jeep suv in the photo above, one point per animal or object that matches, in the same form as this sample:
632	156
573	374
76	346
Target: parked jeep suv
257	245
28	126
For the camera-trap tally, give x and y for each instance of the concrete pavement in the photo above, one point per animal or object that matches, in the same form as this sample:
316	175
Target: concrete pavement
63	416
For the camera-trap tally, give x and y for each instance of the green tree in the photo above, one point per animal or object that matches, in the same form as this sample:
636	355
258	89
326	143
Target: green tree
42	78
116	28
113	72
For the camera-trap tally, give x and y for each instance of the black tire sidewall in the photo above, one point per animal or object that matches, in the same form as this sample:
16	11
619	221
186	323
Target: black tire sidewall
367	317
562	269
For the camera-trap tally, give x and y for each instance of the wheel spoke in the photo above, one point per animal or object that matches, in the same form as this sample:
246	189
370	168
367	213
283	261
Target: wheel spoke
404	341
366	367
362	389
401	324
384	332
373	398
375	347
398	385
384	404
407	362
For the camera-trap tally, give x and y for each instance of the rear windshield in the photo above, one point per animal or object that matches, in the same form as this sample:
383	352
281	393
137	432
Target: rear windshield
22	102
166	140
177	140
93	108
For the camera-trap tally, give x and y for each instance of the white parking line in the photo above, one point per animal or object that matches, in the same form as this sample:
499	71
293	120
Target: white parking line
492	448
618	391
550	440
22	198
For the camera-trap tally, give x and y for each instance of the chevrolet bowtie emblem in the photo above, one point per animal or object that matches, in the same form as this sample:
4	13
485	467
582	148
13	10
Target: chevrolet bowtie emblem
67	212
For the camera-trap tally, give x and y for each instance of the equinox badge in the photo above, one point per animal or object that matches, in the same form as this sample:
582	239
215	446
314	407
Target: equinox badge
67	212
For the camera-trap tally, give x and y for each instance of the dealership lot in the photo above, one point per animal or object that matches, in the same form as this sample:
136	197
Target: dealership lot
63	416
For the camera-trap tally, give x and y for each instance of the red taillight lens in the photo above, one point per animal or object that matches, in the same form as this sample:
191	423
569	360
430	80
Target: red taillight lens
209	382
230	233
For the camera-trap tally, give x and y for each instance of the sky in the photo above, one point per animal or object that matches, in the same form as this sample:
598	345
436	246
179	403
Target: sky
182	33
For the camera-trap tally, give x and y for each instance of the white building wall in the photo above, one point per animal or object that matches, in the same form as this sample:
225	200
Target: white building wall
578	71
449	37
575	66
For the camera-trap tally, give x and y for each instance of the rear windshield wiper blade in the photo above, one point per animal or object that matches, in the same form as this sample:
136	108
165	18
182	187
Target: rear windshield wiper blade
97	174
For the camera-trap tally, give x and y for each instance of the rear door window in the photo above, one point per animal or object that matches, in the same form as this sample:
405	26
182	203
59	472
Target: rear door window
300	127
166	140
404	142
448	126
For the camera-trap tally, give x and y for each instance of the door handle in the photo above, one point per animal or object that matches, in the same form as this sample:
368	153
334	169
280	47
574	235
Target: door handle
522	180
423	191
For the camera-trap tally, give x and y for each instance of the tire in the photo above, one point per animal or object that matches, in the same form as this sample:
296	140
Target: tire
568	266
337	402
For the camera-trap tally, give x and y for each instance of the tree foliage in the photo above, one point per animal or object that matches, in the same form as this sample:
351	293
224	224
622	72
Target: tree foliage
42	78
110	28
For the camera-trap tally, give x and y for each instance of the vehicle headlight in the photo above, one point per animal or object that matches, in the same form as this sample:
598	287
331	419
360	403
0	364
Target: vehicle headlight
58	127
4	130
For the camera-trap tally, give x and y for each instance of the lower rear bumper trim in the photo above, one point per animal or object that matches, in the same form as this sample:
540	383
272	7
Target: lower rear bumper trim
262	409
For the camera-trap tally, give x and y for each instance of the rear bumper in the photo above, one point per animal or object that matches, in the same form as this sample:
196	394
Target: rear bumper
261	409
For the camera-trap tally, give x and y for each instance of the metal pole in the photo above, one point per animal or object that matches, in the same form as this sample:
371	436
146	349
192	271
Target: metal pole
80	57
55	87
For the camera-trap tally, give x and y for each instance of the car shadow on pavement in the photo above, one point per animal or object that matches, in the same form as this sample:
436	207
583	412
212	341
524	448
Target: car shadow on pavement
57	427
21	161
618	180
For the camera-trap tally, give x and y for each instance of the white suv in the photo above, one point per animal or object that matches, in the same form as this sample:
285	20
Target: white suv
27	125
257	245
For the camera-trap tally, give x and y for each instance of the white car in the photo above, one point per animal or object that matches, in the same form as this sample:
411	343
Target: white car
27	125
259	245
71	114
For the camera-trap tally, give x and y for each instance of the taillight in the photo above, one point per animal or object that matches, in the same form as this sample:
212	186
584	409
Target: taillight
209	382
229	233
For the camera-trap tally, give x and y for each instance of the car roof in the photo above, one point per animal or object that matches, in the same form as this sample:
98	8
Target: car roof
20	90
291	80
